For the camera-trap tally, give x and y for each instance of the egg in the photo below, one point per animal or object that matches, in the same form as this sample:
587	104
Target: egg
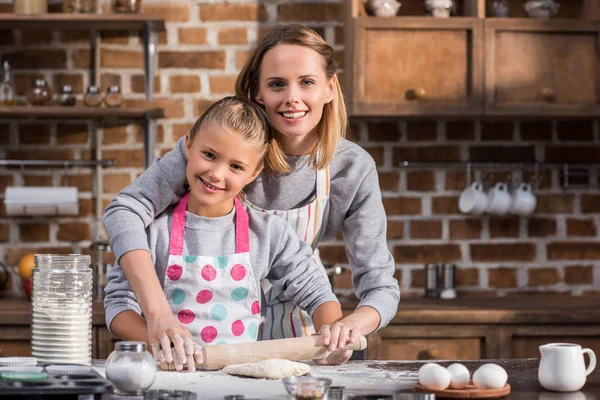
459	376
490	376
434	376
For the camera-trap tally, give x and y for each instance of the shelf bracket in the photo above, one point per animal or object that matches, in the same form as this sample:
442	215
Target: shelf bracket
95	57
149	126
149	36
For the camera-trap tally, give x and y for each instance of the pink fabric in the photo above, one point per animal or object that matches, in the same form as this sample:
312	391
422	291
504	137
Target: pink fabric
242	237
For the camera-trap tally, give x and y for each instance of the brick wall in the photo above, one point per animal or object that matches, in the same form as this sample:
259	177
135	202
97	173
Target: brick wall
200	53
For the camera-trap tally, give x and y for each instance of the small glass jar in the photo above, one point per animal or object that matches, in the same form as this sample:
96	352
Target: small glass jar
130	368
28	7
40	94
66	96
93	97
79	6
113	97
126	6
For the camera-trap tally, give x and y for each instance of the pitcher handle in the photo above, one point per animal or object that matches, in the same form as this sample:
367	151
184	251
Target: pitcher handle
592	357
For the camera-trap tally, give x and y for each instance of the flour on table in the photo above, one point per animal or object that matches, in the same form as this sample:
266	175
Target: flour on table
270	369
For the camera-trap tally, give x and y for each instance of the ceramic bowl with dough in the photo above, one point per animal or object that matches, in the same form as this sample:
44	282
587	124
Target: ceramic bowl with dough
307	387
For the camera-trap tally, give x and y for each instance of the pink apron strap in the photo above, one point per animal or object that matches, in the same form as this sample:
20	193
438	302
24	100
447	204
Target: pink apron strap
178	226
242	238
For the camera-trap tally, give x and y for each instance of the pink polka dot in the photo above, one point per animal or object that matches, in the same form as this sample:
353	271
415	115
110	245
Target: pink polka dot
174	272
238	272
209	272
208	334
186	316
237	328
204	296
256	307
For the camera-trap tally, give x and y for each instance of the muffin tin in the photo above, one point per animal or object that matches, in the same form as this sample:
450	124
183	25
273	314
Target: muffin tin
26	383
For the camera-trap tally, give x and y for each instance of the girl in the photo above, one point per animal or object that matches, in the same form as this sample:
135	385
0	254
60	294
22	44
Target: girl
315	179
210	253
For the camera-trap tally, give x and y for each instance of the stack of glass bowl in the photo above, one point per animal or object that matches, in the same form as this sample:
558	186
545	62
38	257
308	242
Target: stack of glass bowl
62	309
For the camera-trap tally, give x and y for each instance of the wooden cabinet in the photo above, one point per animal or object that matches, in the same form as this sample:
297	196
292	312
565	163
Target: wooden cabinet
407	67
105	343
537	67
15	341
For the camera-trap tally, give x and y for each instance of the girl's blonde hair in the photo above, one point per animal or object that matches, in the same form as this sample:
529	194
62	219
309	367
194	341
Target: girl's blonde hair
334	121
240	116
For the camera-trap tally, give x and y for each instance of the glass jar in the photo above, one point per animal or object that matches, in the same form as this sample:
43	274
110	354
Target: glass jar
7	87
40	94
31	6
126	6
79	6
66	97
130	368
113	97
62	309
93	97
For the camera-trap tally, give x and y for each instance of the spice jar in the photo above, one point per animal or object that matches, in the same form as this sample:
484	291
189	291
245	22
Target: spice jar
31	6
66	97
130	368
113	97
126	6
93	97
40	94
79	6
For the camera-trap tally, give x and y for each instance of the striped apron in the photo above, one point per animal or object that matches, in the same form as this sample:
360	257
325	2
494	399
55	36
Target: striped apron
283	318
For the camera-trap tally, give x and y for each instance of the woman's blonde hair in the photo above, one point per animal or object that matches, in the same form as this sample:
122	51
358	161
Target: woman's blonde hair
334	121
240	116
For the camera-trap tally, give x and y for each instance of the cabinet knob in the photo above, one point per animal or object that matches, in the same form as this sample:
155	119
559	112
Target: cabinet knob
429	354
547	94
416	94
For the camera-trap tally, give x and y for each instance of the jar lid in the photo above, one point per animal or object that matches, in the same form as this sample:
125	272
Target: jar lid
136	347
67	89
93	89
113	89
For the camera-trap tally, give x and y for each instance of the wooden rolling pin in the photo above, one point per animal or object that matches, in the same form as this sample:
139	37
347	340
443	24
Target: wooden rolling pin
296	349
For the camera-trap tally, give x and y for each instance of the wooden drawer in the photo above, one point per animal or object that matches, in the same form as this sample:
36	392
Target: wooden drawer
541	67
426	343
406	66
526	341
15	341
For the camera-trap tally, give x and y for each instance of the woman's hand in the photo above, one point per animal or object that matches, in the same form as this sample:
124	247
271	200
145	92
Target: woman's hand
336	336
172	342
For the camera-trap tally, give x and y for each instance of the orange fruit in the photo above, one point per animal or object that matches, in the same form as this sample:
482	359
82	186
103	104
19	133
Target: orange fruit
26	266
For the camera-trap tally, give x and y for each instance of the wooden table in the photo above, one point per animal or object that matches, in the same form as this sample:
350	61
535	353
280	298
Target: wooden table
363	377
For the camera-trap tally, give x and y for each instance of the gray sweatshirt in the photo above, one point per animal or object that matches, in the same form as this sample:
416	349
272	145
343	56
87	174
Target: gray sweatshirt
276	254
355	208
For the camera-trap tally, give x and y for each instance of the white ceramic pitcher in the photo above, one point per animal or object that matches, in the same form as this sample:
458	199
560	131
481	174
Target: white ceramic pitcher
562	368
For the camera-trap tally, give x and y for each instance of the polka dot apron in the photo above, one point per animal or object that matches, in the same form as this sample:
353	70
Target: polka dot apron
283	318
216	298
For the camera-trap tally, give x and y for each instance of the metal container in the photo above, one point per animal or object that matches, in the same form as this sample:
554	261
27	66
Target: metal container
431	281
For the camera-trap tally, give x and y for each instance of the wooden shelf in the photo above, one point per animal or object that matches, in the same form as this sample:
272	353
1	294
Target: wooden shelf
64	21
79	112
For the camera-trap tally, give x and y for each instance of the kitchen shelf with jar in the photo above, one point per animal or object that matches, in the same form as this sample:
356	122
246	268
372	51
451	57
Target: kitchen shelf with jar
412	65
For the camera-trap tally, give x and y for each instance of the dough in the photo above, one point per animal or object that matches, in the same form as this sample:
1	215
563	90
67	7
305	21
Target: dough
270	369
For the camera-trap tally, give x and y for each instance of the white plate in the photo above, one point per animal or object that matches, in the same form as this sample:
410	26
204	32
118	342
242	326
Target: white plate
60	335
62	318
8	361
45	327
68	369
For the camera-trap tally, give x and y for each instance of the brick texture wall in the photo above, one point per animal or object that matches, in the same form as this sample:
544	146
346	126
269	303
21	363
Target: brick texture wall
201	52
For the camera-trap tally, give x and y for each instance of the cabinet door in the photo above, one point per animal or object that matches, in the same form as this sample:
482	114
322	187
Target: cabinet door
526	340
15	341
427	343
538	67
406	66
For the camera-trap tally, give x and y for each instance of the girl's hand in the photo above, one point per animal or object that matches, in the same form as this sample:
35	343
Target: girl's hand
166	331
165	366
336	336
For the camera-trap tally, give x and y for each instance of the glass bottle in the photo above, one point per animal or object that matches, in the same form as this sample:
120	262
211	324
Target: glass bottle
7	87
31	6
130	368
62	301
40	94
113	97
93	97
66	97
126	6
79	6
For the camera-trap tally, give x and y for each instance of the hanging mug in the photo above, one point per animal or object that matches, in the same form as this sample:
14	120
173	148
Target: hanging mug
499	200
473	200
524	201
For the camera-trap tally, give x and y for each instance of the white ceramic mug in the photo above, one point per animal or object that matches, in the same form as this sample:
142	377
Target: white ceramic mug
473	200
499	200
524	201
562	367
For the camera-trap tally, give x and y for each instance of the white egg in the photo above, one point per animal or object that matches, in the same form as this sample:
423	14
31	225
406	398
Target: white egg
490	376
434	376
459	376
